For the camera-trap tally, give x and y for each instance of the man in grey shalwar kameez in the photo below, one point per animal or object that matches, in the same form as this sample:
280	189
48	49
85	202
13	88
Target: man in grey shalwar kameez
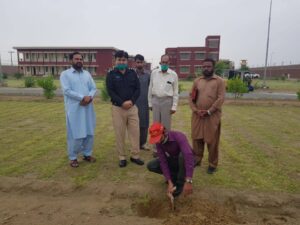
142	101
79	89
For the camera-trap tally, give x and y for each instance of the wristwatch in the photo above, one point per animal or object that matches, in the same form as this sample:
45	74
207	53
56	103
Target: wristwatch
189	181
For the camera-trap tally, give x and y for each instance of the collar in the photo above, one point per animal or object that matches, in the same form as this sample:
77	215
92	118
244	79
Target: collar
118	71
214	76
170	136
140	72
168	71
74	71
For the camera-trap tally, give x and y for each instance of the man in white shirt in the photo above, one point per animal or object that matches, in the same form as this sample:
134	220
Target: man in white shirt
163	93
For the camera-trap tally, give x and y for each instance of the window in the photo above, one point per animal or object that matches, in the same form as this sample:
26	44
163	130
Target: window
21	56
45	55
66	57
46	69
28	69
198	69
27	55
213	43
213	55
185	56
184	69
199	55
90	57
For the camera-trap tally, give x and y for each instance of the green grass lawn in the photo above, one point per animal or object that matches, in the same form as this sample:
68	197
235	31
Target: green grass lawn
291	86
259	146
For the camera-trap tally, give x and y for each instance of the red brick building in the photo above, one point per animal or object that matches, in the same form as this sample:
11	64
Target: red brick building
53	60
187	61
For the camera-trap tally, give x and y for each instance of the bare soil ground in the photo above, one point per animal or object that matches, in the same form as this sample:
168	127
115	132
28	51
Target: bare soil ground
31	201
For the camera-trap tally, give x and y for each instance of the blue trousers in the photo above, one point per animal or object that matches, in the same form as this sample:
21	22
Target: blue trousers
81	145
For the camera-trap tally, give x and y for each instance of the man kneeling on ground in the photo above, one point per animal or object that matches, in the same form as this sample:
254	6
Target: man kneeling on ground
175	159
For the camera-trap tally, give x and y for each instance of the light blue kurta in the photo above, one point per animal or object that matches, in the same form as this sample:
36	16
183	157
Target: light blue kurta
80	120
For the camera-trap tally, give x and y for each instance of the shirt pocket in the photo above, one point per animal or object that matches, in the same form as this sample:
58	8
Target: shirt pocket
168	85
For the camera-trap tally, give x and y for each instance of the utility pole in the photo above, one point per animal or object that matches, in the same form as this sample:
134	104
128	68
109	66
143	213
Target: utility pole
11	60
267	50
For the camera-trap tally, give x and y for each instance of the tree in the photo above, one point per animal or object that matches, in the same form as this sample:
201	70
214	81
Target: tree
237	87
220	67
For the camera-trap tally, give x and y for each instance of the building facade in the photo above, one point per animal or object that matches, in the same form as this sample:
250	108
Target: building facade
187	61
39	61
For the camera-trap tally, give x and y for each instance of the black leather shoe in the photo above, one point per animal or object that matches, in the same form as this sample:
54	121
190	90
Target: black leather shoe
123	163
137	161
211	170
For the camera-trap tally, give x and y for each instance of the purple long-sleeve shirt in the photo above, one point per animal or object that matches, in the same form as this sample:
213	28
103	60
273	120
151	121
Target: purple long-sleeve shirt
177	143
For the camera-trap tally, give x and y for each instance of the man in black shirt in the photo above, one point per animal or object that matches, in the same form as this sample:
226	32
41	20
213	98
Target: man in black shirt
123	88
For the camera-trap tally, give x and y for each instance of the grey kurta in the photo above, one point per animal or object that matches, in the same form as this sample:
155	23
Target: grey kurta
142	101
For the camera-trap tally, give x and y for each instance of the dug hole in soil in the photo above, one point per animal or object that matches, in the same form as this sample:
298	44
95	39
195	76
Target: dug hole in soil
31	201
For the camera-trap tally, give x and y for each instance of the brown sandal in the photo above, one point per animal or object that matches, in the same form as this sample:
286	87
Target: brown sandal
74	163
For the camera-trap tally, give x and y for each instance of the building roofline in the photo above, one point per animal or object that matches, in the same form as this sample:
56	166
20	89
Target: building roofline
62	48
213	36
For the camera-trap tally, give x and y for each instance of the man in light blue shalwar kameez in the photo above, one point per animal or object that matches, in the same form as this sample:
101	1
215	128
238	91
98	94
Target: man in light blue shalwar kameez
79	89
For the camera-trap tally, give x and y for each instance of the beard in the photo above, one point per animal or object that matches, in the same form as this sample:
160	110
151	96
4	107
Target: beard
77	66
207	73
139	67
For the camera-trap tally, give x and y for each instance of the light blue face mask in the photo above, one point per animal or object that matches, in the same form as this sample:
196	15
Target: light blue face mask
164	67
121	66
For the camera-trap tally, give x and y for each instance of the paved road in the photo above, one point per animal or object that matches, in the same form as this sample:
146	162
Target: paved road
252	95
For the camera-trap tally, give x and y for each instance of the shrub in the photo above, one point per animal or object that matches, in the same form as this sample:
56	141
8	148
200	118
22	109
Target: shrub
5	76
237	87
298	95
29	82
104	94
47	83
191	77
18	75
2	83
180	88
